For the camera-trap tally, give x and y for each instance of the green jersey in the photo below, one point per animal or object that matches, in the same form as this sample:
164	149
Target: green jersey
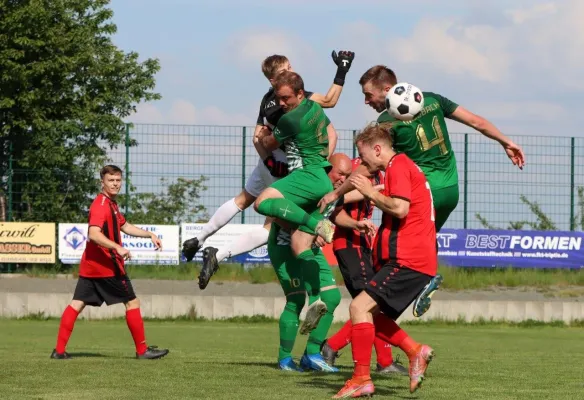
426	141
303	131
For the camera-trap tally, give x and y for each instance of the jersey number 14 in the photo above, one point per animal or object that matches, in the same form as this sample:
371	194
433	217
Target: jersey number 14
437	138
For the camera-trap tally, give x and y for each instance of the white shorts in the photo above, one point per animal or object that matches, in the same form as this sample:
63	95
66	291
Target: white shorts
261	178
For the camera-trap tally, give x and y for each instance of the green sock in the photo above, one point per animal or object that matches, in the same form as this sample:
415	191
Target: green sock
287	211
332	298
289	324
310	271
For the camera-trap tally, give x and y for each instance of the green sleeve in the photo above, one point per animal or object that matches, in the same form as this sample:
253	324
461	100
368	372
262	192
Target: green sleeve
285	128
448	106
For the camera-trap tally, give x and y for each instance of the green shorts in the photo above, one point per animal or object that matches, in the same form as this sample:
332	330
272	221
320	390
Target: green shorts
445	201
305	187
285	265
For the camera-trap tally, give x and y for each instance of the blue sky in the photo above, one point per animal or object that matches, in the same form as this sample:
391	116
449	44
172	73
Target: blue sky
517	63
520	64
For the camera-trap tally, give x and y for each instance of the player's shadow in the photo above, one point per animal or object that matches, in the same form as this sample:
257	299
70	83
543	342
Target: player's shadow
255	364
87	355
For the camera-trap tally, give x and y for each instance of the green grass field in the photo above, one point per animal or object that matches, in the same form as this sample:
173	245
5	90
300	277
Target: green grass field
227	360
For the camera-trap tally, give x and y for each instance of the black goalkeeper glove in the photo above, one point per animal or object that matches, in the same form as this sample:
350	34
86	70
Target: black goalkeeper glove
343	61
278	169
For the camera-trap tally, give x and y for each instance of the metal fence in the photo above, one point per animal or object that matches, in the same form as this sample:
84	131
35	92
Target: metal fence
489	184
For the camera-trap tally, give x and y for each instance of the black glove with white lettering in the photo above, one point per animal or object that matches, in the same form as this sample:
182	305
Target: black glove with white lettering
343	60
278	169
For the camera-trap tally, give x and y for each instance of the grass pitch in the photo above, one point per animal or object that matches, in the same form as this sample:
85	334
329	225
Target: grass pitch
227	360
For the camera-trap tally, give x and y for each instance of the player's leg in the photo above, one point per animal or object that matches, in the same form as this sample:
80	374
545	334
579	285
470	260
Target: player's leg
331	297
226	212
243	243
85	294
394	288
290	279
445	201
294	197
119	289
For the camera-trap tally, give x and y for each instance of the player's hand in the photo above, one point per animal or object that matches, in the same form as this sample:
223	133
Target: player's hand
363	185
515	154
156	242
343	60
379	187
263	132
367	227
277	169
326	200
125	253
320	242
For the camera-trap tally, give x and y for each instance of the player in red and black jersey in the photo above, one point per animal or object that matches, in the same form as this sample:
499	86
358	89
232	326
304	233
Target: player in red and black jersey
404	257
102	276
352	244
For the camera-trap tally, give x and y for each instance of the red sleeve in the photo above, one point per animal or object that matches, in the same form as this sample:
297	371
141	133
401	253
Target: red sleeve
399	178
122	220
98	215
355	163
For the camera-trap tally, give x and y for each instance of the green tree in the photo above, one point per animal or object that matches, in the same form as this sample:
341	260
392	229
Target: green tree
178	203
65	90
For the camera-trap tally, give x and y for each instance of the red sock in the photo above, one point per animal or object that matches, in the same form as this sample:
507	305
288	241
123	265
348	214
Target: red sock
383	351
136	326
387	330
66	328
341	338
362	338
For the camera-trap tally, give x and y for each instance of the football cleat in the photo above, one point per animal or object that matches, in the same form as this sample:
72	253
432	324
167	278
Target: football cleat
328	354
190	248
314	313
152	353
60	356
424	300
315	362
356	388
418	364
210	266
325	229
287	364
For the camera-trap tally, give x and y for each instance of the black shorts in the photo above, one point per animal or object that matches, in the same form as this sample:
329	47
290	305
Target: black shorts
395	287
356	267
96	291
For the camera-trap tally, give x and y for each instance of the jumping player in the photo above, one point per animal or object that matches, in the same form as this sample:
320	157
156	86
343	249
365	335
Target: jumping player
102	277
291	277
303	129
268	170
352	249
427	142
404	256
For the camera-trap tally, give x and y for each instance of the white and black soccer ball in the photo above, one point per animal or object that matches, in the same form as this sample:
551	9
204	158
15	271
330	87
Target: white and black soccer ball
404	101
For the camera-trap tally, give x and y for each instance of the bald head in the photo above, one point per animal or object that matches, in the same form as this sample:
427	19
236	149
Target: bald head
341	170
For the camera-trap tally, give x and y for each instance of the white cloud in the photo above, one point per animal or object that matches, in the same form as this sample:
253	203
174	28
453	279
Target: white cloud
182	112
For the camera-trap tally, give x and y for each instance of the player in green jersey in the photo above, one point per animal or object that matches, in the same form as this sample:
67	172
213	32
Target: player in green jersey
426	141
293	200
291	277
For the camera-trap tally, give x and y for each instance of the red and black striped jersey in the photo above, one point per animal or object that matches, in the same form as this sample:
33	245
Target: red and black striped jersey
346	238
97	261
410	241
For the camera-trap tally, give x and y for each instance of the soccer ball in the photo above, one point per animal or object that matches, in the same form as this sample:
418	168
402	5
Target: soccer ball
404	101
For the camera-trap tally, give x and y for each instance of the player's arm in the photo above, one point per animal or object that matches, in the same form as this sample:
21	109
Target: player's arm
396	206
96	236
332	138
487	128
133	230
345	188
343	61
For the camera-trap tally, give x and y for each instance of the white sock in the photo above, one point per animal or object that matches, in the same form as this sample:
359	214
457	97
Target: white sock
244	243
222	216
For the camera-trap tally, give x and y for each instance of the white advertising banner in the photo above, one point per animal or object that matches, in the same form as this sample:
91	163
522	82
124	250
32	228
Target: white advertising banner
73	238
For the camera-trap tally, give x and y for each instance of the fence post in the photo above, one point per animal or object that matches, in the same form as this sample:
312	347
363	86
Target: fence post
572	183
127	168
243	169
10	173
353	144
465	180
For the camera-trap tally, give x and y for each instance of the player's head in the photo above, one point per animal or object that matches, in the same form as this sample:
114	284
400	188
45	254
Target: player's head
341	170
375	83
111	180
275	64
289	89
375	146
